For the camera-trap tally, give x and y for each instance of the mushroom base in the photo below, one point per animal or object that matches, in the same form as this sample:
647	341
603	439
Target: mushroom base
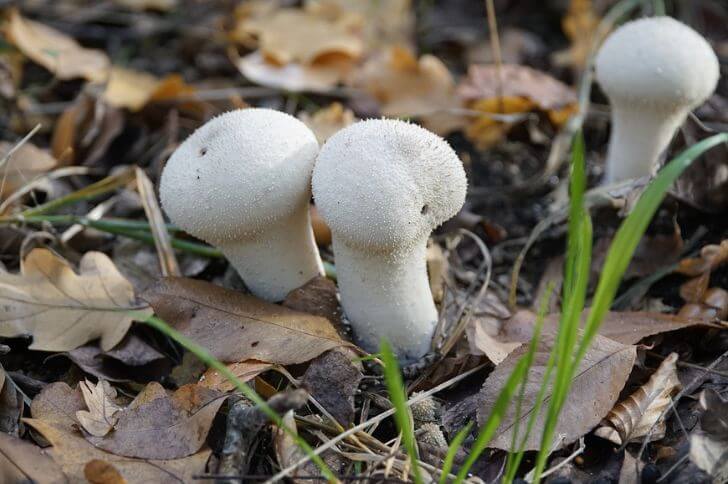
279	260
387	296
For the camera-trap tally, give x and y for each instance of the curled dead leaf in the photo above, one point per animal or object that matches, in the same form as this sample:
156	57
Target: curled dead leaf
101	415
63	310
55	51
632	418
709	444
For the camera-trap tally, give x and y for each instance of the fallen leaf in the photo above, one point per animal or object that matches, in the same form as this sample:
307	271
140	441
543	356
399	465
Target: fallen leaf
129	89
709	445
130	360
181	420
288	452
12	405
632	418
321	231
333	379
409	87
236	327
72	452
57	405
21	461
381	23
27	163
63	310
711	257
292	77
319	297
327	121
102	412
99	471
598	380
291	35
519	89
55	51
244	371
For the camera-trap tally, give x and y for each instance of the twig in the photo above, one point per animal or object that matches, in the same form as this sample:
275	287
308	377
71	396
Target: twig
496	49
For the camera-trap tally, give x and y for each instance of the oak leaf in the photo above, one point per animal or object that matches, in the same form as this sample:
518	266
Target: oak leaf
63	310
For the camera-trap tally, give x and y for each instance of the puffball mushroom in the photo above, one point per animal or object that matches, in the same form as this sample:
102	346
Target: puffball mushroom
242	182
654	72
383	186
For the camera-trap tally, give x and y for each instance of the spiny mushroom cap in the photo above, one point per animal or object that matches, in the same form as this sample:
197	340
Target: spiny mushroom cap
657	62
386	184
238	173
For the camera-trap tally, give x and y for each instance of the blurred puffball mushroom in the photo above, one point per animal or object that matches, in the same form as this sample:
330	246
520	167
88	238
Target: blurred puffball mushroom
242	183
654	72
383	186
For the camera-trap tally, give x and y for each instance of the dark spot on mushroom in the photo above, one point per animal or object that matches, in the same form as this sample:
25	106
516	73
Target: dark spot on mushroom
254	344
203	151
424	209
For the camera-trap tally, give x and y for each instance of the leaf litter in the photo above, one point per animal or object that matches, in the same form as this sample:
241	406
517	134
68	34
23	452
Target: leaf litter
153	413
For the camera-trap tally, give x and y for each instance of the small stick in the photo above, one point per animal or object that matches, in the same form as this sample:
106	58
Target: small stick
495	47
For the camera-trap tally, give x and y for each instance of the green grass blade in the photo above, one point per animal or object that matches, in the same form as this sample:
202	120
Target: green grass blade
452	450
398	396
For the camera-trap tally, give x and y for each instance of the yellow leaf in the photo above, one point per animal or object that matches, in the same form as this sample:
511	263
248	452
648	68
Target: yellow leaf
23	166
580	25
410	87
484	131
63	310
55	51
129	88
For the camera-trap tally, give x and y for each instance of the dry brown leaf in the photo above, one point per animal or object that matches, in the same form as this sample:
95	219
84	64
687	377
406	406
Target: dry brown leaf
410	87
321	231
99	471
21	461
290	35
55	51
57	405
521	90
327	121
103	412
63	310
595	388
181	420
633	418
711	257
244	370
72	452
141	5
332	379
319	297
287	451
129	89
27	163
293	77
437	269
382	23
236	327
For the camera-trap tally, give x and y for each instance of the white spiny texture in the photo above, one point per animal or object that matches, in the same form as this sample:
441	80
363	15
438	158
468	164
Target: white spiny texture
383	186
654	72
242	183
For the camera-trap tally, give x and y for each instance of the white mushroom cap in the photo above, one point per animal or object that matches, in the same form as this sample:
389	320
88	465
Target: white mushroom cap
657	61
383	186
238	173
242	182
654	71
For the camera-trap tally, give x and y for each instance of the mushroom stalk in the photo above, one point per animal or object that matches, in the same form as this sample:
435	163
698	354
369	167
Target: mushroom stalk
639	136
293	264
387	295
